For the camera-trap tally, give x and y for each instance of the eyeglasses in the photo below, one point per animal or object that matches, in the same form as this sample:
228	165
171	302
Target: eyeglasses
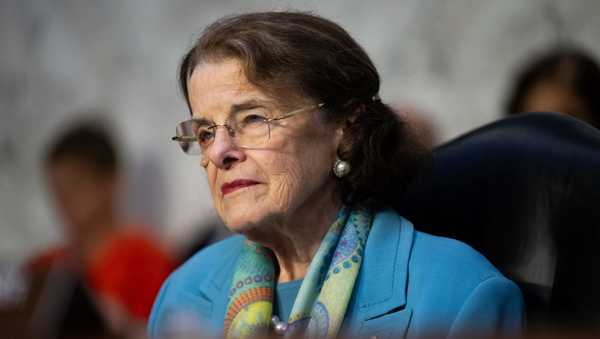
248	129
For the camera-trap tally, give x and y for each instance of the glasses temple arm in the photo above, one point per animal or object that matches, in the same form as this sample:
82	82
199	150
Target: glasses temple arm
183	138
300	110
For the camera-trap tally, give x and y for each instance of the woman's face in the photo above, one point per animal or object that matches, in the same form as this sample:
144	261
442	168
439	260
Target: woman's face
251	187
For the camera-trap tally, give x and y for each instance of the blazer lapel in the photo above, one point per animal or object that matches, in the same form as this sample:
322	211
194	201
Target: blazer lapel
384	277
214	289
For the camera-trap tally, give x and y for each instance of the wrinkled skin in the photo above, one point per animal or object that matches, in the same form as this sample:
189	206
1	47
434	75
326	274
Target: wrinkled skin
294	167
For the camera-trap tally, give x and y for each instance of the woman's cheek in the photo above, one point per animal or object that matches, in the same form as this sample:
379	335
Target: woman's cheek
285	187
211	178
211	175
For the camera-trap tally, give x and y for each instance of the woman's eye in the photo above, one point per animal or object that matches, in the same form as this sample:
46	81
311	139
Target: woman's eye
204	136
253	119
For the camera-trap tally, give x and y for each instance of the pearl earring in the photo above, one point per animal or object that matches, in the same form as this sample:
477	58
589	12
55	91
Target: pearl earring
341	168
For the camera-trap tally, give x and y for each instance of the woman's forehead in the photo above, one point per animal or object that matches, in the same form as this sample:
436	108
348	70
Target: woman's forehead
218	89
221	87
227	73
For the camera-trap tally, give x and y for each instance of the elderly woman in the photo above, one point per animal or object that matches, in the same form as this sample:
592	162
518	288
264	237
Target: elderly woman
302	158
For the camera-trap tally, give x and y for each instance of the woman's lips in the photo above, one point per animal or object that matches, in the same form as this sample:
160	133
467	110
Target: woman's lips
231	186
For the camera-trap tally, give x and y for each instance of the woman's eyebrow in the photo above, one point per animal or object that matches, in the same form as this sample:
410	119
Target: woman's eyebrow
248	104
201	121
236	108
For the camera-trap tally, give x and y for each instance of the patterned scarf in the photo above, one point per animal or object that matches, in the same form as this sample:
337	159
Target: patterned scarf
321	303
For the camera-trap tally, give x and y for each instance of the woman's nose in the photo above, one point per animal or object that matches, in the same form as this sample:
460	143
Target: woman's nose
223	152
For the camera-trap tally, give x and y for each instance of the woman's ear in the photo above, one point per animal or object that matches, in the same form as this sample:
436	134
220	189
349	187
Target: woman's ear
339	135
344	142
343	131
204	162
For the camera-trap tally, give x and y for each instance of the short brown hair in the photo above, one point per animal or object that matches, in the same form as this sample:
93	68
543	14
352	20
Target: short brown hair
88	142
320	60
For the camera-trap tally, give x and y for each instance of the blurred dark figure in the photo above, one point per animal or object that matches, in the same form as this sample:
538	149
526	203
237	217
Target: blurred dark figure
563	79
104	279
421	124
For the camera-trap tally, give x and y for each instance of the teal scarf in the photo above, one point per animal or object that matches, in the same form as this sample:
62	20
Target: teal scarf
321	303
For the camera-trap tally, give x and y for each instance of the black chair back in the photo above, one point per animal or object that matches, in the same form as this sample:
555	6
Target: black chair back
525	192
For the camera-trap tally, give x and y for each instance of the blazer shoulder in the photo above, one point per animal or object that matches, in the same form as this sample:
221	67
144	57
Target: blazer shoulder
209	259
455	289
190	288
451	258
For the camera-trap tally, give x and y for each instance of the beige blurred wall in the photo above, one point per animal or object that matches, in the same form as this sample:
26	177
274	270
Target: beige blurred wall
452	59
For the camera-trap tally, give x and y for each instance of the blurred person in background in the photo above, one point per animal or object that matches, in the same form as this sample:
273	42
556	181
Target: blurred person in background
118	266
303	160
421	124
562	79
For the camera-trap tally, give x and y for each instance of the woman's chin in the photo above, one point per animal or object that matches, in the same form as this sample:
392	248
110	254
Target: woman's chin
243	220
240	228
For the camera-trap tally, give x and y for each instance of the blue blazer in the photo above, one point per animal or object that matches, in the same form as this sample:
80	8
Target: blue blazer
411	284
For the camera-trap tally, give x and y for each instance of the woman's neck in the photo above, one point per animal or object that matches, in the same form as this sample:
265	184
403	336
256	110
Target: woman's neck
296	238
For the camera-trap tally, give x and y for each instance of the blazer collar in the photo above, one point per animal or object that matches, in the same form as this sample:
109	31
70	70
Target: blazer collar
384	272
220	279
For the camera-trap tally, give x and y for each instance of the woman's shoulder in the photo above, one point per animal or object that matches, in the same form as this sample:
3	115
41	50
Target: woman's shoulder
449	285
432	260
208	264
476	296
212	257
445	256
189	290
430	253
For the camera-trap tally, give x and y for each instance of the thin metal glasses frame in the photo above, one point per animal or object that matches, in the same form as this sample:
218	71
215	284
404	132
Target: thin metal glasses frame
231	131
